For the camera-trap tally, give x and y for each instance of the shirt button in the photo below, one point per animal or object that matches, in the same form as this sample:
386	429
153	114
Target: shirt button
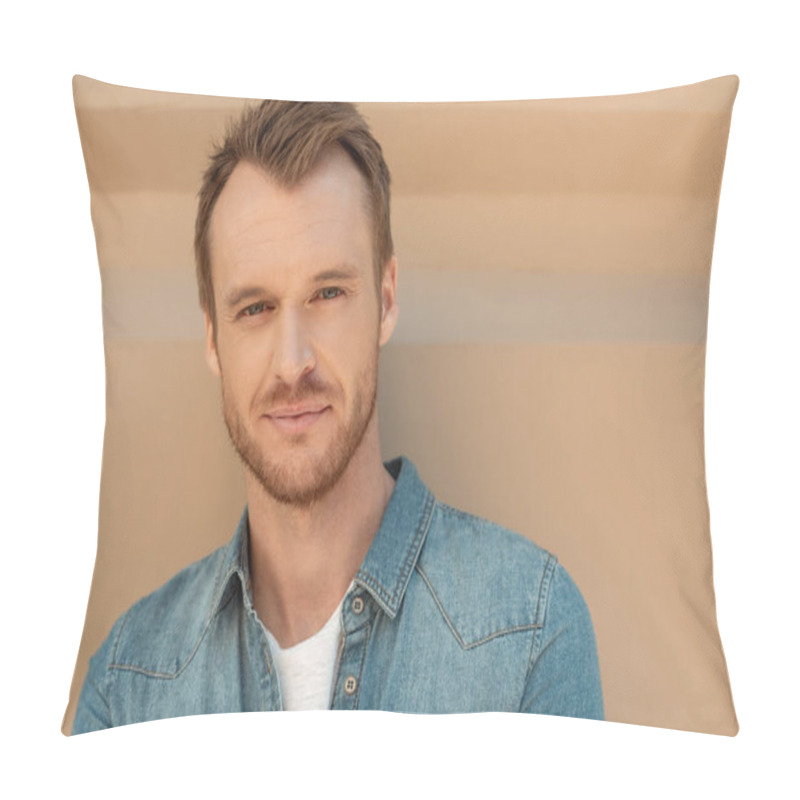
357	605
350	684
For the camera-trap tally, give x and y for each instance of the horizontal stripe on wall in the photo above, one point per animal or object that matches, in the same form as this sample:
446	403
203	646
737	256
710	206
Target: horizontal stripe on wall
453	307
581	233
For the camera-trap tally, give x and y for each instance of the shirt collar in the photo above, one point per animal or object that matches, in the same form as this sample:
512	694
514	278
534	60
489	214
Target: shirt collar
391	557
235	563
390	560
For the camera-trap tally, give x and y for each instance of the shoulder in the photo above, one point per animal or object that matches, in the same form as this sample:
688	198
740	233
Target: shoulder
159	633
487	578
458	539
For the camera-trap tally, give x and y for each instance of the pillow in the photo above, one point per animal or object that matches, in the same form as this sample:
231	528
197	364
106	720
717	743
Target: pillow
546	373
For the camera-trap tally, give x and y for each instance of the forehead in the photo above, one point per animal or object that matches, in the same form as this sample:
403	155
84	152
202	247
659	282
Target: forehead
258	226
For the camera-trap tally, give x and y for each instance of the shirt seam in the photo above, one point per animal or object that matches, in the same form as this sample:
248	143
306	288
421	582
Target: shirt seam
337	669
413	551
541	610
102	696
110	674
357	698
233	563
464	645
168	675
391	599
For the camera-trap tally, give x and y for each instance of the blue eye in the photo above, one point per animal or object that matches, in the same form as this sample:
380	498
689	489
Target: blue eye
254	309
330	292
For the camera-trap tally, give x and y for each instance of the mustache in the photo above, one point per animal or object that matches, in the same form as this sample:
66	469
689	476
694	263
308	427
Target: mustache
309	387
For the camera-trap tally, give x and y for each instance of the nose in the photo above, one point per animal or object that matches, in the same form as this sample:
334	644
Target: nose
294	353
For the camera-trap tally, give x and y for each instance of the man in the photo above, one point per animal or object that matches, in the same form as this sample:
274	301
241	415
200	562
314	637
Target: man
346	585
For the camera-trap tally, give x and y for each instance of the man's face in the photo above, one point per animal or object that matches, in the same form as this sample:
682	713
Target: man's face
299	324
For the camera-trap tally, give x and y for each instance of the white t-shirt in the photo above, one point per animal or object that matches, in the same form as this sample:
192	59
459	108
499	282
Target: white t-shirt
305	670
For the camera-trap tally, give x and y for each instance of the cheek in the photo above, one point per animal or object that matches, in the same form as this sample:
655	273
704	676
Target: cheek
244	369
345	348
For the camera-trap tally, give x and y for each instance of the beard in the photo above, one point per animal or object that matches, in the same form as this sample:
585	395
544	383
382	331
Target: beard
301	476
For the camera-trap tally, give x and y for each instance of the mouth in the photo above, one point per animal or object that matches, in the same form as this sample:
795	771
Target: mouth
296	419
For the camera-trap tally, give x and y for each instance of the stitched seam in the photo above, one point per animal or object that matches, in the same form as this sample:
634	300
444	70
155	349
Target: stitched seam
541	606
171	675
110	675
269	680
366	620
102	696
436	600
422	529
123	623
515	629
361	667
464	645
378	587
223	606
337	670
219	587
223	576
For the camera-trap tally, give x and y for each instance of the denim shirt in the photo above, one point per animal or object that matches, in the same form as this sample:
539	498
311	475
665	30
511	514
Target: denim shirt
447	613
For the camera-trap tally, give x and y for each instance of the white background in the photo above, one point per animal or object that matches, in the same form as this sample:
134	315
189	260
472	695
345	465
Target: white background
53	383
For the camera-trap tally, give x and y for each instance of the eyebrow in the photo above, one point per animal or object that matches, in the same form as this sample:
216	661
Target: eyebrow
235	297
341	273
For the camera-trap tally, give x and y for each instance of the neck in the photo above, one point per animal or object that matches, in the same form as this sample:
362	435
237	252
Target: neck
302	559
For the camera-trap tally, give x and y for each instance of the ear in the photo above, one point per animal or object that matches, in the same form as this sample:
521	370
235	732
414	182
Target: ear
389	309
212	359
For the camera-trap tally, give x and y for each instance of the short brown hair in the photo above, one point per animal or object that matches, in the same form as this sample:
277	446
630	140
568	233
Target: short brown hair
286	140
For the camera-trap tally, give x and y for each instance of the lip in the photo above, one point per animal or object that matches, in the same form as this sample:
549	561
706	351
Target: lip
296	411
296	419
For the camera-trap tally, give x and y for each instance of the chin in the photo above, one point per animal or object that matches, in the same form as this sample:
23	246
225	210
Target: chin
302	481
300	491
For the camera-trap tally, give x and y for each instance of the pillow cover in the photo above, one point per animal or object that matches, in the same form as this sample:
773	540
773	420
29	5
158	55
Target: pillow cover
546	373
